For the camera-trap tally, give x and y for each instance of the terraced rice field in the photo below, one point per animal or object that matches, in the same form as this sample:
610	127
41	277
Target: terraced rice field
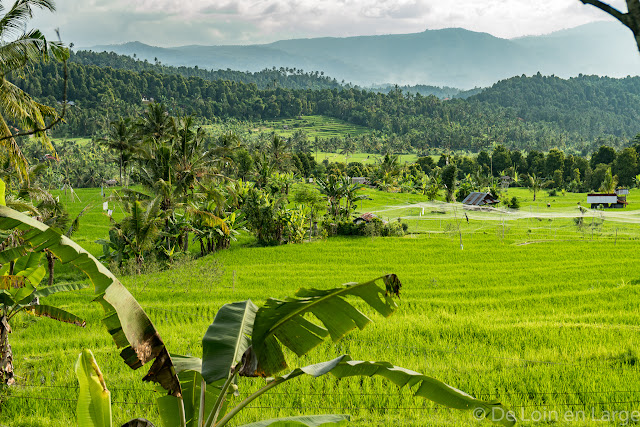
532	311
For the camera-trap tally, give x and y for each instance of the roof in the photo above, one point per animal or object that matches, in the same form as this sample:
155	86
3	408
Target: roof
367	216
479	199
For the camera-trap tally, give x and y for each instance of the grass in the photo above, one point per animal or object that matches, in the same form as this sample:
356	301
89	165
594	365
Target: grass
534	312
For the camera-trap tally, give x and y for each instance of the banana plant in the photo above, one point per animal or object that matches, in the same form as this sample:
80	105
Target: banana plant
125	320
247	341
20	274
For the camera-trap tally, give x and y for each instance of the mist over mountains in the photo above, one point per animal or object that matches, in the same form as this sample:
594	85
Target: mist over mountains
449	57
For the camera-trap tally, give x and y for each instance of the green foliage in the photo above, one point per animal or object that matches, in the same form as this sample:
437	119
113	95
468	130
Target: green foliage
513	203
449	174
135	334
94	399
495	115
272	222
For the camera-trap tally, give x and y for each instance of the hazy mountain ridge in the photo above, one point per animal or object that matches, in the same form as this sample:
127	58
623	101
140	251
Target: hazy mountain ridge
450	57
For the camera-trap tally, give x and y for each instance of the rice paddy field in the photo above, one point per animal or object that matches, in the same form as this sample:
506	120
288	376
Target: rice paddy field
531	307
313	126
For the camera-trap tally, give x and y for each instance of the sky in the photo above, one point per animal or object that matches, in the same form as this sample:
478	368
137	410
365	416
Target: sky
169	23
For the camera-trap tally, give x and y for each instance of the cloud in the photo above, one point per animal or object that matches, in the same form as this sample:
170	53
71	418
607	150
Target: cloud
179	22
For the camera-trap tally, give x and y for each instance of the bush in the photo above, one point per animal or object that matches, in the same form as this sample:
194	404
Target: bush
514	203
373	228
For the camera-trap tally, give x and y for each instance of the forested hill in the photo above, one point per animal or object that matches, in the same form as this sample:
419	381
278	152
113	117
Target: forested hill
290	78
589	105
102	94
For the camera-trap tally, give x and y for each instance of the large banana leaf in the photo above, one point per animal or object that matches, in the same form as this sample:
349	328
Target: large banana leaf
283	322
94	400
125	320
226	340
304	420
425	386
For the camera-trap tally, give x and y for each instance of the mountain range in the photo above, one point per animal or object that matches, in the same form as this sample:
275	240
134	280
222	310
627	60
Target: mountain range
448	57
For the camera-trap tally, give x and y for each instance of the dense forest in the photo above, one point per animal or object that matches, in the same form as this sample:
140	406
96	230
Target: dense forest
284	77
525	113
589	105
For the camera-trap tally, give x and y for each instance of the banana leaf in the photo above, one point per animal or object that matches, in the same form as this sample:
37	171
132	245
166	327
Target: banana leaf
94	399
424	386
65	287
226	339
191	382
56	313
283	323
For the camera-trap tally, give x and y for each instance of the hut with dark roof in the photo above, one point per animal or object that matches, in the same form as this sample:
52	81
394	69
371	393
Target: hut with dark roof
479	199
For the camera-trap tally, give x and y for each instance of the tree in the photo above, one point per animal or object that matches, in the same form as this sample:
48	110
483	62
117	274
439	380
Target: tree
141	228
534	184
626	166
500	158
554	161
449	174
19	48
631	19
605	154
19	280
609	183
121	139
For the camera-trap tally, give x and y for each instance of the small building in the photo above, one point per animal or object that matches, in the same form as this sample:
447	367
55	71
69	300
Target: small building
365	217
359	180
606	200
479	199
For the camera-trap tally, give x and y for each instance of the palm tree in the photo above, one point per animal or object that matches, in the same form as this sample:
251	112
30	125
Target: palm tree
534	184
156	125
19	48
279	151
121	139
141	228
191	162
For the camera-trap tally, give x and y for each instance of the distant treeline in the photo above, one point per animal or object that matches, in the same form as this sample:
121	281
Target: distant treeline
284	77
535	113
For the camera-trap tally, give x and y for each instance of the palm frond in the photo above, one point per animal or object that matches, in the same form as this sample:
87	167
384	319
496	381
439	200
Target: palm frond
14	21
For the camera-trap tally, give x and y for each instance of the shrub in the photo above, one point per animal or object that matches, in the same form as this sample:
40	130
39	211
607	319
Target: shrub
514	203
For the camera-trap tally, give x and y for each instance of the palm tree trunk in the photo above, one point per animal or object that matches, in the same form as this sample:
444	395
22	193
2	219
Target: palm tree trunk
51	263
121	183
6	355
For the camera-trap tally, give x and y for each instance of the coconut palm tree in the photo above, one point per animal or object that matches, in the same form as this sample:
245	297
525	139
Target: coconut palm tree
18	48
121	139
535	183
